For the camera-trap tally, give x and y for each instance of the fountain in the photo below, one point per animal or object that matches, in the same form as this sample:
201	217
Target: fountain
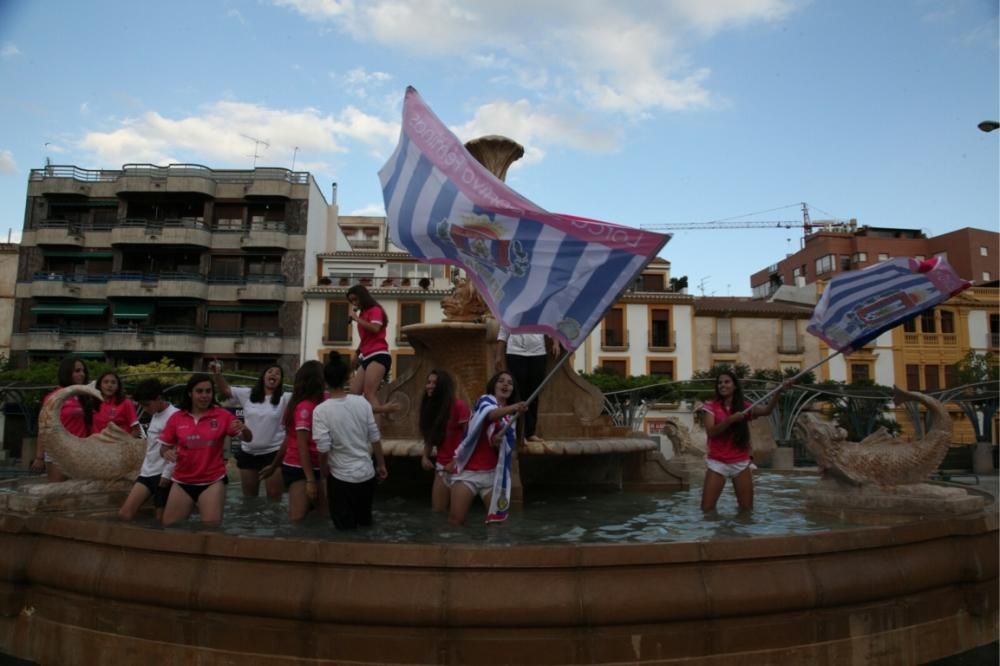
77	587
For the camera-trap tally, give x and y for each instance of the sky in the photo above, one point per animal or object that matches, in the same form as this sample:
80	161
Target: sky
643	113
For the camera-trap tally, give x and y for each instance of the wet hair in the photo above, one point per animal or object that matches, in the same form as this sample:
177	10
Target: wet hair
365	300
257	393
435	409
65	372
741	430
335	371
119	394
491	386
187	404
308	386
147	389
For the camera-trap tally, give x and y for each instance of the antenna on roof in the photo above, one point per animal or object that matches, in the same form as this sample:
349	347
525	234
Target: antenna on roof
257	143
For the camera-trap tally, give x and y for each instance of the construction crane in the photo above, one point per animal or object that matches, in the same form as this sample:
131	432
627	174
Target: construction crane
806	224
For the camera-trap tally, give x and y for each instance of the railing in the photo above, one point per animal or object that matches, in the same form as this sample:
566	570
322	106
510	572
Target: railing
173	223
790	347
42	276
247	279
139	276
725	344
662	342
614	342
244	333
175	170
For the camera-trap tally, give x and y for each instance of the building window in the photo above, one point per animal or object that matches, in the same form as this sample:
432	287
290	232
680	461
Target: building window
614	328
338	322
947	321
615	366
789	337
950	376
927	321
994	331
663	369
796	272
912	377
409	313
724	339
845	262
984	251
932	381
883	256
652	282
987	276
860	372
860	257
825	264
910	325
659	327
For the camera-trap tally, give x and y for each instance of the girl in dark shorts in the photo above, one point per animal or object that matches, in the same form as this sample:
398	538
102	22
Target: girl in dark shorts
373	358
299	460
154	477
194	438
264	411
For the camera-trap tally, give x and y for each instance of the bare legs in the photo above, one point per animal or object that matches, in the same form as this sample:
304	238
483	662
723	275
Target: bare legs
715	482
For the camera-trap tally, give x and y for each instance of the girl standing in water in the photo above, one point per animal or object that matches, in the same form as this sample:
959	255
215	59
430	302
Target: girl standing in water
115	407
443	418
76	415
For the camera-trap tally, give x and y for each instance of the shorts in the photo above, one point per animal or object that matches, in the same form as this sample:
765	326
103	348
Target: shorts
480	482
257	461
156	491
729	470
194	490
448	478
290	474
382	358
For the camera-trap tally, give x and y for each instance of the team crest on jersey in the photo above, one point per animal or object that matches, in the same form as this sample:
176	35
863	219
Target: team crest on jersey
481	239
213	424
303	413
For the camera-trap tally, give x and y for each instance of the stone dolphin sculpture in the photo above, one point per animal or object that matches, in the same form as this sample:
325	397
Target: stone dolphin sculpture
109	454
881	459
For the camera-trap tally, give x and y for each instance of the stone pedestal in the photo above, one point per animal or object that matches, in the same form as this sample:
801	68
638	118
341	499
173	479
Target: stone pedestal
914	498
982	458
783	457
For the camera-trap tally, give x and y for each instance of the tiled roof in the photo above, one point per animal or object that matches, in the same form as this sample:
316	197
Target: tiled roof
748	307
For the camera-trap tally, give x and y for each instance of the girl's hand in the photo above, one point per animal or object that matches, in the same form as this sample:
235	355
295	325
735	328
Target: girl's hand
311	491
520	406
235	428
451	467
427	463
266	471
168	453
381	472
38	465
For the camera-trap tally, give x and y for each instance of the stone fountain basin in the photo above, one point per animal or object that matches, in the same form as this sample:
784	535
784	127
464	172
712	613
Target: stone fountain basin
83	589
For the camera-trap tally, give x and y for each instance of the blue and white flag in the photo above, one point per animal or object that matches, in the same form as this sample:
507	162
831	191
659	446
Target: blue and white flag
537	271
858	306
499	507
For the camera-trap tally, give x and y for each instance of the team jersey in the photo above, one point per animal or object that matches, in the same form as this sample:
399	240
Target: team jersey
454	432
122	414
71	414
303	420
372	343
721	447
199	443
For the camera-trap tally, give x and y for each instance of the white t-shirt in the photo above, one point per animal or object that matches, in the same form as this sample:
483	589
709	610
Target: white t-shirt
345	427
265	420
523	344
154	463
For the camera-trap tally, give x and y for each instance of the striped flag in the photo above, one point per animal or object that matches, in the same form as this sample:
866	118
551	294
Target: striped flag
537	271
858	306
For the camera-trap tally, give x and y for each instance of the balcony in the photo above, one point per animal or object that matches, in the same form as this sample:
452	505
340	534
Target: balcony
164	339
54	338
262	288
167	284
614	341
725	344
662	343
172	178
269	234
63	285
184	231
795	346
246	341
59	232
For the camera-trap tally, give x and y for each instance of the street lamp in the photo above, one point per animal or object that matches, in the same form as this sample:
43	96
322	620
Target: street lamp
988	125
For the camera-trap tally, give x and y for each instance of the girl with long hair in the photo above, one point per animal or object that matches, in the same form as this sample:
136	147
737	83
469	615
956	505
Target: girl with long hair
443	418
195	438
299	460
76	415
373	358
726	420
481	465
264	411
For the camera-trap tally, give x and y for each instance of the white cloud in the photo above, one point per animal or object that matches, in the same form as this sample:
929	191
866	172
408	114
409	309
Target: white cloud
7	163
235	14
219	136
628	57
359	82
372	209
9	50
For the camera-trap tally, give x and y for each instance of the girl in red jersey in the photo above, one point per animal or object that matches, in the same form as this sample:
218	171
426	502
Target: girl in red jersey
373	353
300	461
194	439
725	419
115	407
443	418
76	415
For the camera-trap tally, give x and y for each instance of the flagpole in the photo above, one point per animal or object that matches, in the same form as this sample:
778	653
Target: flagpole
799	375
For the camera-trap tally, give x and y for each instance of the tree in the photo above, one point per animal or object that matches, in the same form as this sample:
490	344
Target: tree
679	284
976	393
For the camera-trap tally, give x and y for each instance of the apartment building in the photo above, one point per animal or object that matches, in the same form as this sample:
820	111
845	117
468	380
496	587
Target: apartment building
972	252
182	261
8	277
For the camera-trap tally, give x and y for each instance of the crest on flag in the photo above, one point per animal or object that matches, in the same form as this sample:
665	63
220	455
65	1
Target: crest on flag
537	271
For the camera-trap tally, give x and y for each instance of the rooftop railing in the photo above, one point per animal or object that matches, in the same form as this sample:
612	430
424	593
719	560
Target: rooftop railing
175	170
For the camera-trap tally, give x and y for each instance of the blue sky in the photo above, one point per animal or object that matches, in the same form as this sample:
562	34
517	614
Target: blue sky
641	113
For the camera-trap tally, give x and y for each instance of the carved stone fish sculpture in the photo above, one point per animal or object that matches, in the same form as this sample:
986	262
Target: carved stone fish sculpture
880	458
109	454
